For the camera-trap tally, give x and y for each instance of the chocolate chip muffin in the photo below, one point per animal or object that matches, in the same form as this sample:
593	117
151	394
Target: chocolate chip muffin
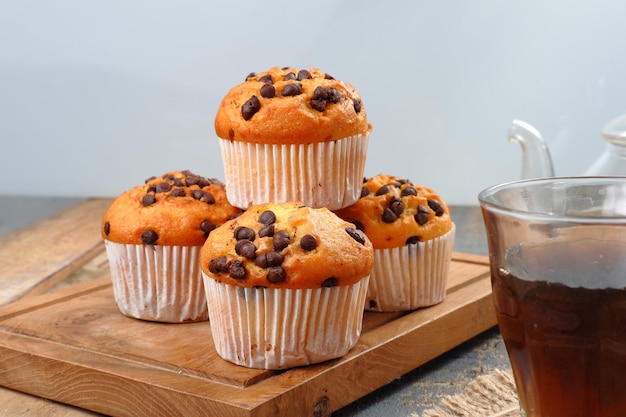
153	235
283	280
412	232
290	134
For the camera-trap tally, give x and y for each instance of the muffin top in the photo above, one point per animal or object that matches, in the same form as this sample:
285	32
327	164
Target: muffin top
287	245
393	212
177	208
287	105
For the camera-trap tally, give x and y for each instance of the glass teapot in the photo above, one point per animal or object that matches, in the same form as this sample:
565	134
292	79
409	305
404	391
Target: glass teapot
536	160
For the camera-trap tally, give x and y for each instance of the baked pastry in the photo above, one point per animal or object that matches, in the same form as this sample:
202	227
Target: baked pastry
293	135
413	236
153	235
285	285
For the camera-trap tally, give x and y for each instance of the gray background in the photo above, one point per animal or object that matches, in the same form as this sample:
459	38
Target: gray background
96	96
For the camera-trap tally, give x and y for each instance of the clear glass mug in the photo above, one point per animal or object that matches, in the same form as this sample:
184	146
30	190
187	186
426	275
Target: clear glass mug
557	252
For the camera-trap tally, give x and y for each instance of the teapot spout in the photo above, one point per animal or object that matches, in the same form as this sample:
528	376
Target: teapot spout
536	160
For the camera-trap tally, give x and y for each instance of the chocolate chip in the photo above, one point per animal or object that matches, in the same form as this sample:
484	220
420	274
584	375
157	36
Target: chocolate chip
332	95
276	274
268	91
150	179
268	259
252	74
436	207
192	180
174	180
293	89
289	76
319	93
107	228
267	217
149	237
422	215
244	233
207	227
330	282
205	196
408	191
304	75
151	189
267	231
237	270
389	216
322	96
319	105
412	240
281	240
358	225
356	234
397	206
178	192
308	242
357	105
218	265
328	77
203	182
197	194
250	107
364	192
163	187
383	190
266	79
246	249
148	200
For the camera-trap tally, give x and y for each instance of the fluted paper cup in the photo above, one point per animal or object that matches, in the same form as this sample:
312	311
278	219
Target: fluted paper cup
325	174
412	276
278	328
158	283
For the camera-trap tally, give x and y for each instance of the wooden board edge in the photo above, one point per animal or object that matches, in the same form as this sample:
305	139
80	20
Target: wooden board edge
307	387
105	392
43	300
470	258
367	377
389	336
49	281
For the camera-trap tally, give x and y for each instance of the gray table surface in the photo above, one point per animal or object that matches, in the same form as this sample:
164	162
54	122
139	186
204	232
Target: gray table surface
407	396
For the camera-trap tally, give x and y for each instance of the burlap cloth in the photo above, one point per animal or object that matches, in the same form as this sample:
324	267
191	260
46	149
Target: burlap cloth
490	395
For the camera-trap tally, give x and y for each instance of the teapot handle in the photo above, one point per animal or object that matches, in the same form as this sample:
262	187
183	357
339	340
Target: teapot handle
536	160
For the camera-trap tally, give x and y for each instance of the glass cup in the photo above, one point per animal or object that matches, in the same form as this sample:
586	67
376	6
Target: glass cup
557	249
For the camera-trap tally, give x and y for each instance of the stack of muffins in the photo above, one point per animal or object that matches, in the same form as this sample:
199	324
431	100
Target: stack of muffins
300	245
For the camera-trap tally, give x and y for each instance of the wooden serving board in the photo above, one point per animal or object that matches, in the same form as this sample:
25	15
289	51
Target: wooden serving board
75	347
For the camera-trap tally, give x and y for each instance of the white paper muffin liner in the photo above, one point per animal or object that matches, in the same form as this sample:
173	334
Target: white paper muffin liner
326	174
277	328
158	283
412	276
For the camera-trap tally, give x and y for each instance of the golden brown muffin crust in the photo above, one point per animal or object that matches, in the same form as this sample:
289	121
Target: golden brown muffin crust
393	212
177	208
287	105
287	245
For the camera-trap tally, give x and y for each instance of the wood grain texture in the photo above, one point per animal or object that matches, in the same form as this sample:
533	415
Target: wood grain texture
74	346
38	256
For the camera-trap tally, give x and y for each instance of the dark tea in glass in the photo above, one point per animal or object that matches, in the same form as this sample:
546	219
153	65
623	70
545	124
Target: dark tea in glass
558	264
